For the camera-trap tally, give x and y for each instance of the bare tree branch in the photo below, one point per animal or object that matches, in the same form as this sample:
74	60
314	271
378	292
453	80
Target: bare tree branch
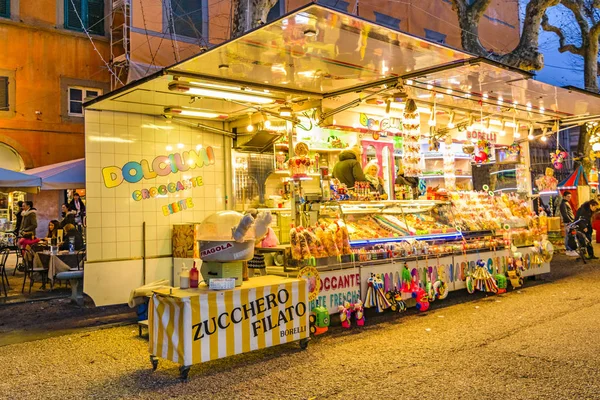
526	55
563	47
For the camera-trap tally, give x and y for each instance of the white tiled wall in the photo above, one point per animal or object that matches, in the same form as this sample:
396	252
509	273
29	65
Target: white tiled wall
114	218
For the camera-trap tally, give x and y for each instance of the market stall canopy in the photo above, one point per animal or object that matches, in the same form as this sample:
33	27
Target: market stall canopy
499	88
64	175
12	181
320	57
314	52
577	178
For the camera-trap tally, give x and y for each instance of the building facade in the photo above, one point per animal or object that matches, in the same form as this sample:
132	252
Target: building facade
47	68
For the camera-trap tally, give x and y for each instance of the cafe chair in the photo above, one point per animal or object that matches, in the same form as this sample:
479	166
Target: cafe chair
30	270
4	253
19	262
81	259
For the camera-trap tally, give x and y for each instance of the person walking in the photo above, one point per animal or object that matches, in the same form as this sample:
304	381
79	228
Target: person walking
29	222
585	214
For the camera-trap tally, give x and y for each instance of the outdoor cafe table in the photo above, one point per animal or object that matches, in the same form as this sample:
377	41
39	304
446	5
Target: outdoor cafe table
63	261
190	326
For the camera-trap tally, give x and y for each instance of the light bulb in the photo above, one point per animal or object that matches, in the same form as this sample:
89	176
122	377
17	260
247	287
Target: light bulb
530	136
432	122
250	128
543	138
596	146
267	124
517	135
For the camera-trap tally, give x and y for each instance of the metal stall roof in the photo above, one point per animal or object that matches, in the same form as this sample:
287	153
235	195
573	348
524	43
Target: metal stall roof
317	53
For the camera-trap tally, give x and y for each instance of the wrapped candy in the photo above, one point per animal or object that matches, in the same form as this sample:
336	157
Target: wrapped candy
314	244
326	237
295	244
304	250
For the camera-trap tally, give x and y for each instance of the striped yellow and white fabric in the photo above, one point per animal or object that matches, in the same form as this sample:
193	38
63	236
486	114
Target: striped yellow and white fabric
194	326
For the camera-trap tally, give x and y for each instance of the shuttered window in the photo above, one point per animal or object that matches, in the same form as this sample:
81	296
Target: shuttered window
91	13
187	17
4	106
5	8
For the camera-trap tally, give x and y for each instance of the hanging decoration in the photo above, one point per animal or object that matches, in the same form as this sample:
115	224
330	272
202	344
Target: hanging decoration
411	152
558	157
547	182
482	279
513	152
449	165
375	297
298	165
483	151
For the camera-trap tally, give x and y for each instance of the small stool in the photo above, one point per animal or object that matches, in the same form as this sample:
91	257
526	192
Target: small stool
142	324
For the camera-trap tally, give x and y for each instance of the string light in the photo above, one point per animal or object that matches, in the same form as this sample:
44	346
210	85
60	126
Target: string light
530	136
451	120
502	128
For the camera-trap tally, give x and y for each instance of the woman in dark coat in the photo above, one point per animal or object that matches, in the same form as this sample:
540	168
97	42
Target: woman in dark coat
585	213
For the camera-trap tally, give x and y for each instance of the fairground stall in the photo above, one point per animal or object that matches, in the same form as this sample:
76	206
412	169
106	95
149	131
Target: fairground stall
260	122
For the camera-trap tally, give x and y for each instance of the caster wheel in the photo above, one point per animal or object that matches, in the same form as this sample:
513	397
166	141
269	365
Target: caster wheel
312	319
303	344
394	308
154	362
183	372
313	329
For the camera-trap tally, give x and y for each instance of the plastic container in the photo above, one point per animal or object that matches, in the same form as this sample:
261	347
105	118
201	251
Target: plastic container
194	275
184	278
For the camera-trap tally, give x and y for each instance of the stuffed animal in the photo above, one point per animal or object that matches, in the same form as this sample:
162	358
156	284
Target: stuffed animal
422	299
359	313
345	314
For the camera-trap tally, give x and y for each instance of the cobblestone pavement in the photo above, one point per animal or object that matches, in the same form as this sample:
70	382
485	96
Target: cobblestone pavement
540	342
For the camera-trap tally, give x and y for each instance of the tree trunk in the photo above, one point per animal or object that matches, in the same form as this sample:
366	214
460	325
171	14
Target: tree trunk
249	14
590	80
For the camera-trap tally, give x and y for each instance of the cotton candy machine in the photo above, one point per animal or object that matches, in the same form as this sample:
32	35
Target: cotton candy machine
226	239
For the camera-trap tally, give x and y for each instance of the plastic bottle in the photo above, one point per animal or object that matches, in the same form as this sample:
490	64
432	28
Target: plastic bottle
194	276
184	277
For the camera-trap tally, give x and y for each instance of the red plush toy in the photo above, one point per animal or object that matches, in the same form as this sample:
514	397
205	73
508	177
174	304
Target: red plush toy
422	299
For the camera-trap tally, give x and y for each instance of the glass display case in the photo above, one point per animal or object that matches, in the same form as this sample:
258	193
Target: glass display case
390	221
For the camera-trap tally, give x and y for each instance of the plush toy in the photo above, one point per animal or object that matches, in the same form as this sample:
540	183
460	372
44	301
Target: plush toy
501	282
422	299
406	279
345	314
359	313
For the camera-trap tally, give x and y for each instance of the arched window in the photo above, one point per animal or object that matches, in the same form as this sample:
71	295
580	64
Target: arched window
10	159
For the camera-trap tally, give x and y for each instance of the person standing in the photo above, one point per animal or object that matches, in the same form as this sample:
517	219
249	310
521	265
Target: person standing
585	214
29	222
412	182
19	216
375	182
567	216
348	169
68	216
77	205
